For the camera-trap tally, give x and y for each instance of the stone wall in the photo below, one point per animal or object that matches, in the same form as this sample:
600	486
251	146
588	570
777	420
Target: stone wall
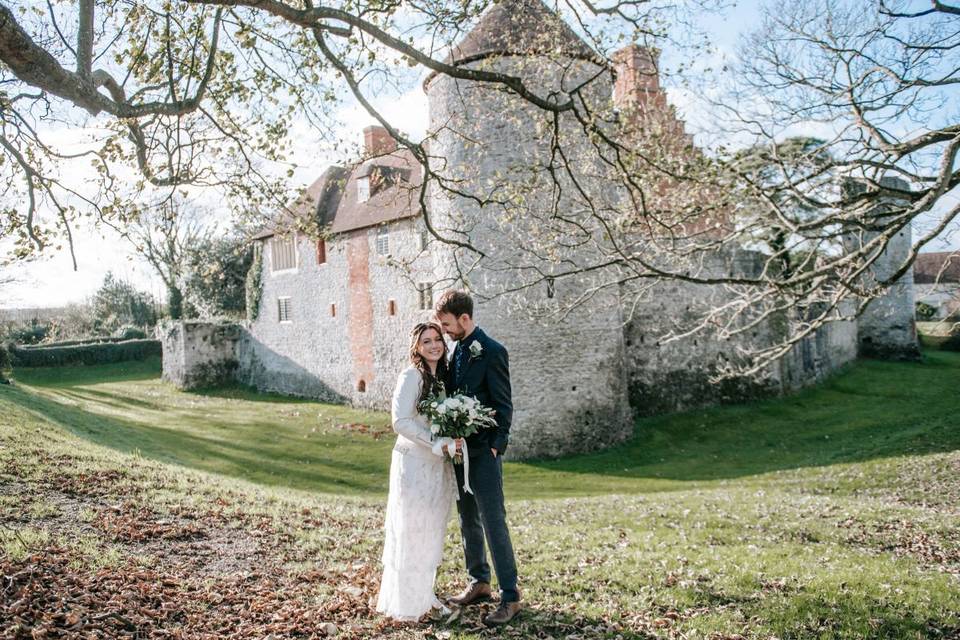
676	374
682	373
340	343
832	346
199	354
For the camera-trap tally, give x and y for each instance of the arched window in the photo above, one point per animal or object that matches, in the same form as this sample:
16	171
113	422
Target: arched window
362	386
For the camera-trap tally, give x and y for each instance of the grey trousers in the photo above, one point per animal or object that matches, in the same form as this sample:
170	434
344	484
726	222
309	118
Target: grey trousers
482	515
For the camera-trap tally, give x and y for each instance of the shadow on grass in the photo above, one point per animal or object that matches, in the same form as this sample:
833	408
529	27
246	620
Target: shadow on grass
247	453
130	371
789	615
248	394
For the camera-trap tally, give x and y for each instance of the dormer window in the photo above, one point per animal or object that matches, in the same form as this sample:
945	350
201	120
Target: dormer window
374	178
363	189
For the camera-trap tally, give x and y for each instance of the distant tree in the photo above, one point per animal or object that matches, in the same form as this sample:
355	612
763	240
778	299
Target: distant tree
119	303
765	170
880	77
216	275
74	323
30	332
165	235
4	363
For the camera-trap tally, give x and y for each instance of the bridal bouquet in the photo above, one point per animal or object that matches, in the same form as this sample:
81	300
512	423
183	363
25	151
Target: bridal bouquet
458	416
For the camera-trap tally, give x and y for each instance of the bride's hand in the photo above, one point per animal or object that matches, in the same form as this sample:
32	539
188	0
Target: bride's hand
459	447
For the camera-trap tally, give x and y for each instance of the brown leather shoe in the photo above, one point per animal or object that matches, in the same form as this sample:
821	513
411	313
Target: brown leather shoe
475	592
503	614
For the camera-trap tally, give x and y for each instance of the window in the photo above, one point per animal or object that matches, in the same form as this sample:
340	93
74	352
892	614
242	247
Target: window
283	309
425	289
383	241
391	307
283	251
362	386
321	251
551	288
333	310
363	189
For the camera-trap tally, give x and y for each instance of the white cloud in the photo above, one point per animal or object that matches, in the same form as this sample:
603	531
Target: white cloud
52	282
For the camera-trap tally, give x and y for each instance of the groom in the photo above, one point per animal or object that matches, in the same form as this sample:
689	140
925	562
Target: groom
479	368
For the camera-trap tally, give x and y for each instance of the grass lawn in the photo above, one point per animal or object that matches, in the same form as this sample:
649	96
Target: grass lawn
831	513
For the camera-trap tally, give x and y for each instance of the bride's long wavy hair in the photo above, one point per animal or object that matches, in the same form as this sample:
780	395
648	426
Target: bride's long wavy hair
430	381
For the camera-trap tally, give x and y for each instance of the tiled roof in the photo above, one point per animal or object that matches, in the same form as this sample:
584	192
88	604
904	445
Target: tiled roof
395	180
937	268
319	201
332	199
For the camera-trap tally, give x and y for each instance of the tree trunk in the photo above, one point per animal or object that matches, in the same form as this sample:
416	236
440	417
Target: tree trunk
174	302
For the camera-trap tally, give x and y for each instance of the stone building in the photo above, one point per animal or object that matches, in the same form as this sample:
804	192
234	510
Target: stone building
936	278
335	311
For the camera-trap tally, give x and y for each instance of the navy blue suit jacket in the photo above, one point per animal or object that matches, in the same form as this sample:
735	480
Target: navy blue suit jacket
486	377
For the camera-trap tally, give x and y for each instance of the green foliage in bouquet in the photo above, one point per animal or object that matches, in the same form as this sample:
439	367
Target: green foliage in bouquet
458	416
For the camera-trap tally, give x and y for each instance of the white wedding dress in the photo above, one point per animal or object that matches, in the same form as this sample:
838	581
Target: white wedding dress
422	489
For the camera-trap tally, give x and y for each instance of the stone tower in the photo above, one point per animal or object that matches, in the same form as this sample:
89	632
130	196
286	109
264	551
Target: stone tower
887	328
567	369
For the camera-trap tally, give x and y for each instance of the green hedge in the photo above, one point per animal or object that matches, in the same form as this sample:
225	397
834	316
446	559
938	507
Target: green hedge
70	343
98	353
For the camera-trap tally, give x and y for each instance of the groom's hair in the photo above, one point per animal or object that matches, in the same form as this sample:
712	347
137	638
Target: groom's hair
456	301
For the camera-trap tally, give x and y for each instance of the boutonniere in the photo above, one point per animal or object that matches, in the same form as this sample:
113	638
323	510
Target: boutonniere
476	350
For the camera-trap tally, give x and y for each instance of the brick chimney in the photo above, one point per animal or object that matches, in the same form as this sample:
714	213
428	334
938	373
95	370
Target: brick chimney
638	78
377	141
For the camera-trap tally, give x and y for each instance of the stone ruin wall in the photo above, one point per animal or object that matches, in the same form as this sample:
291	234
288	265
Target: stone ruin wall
198	354
677	375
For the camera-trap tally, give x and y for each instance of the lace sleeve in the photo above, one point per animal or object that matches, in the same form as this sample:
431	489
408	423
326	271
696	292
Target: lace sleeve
404	408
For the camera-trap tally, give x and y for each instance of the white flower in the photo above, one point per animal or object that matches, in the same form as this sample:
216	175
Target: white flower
434	428
476	349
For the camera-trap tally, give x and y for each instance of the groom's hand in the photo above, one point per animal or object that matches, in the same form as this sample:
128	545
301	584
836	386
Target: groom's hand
494	452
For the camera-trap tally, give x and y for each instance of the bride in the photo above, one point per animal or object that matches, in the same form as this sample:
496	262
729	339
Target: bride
421	486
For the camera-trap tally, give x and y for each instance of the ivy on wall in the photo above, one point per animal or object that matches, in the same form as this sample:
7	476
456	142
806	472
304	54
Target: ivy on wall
254	284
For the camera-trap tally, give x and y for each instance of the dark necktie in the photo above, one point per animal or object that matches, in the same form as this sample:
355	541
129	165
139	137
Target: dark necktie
457	363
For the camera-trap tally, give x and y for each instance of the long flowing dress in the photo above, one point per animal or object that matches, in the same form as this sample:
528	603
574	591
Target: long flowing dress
422	490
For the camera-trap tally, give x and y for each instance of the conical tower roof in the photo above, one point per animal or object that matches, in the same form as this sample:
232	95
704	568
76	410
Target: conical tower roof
519	27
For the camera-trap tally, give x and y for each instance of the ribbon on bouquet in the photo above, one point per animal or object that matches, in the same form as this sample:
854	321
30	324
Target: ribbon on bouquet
452	452
466	468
